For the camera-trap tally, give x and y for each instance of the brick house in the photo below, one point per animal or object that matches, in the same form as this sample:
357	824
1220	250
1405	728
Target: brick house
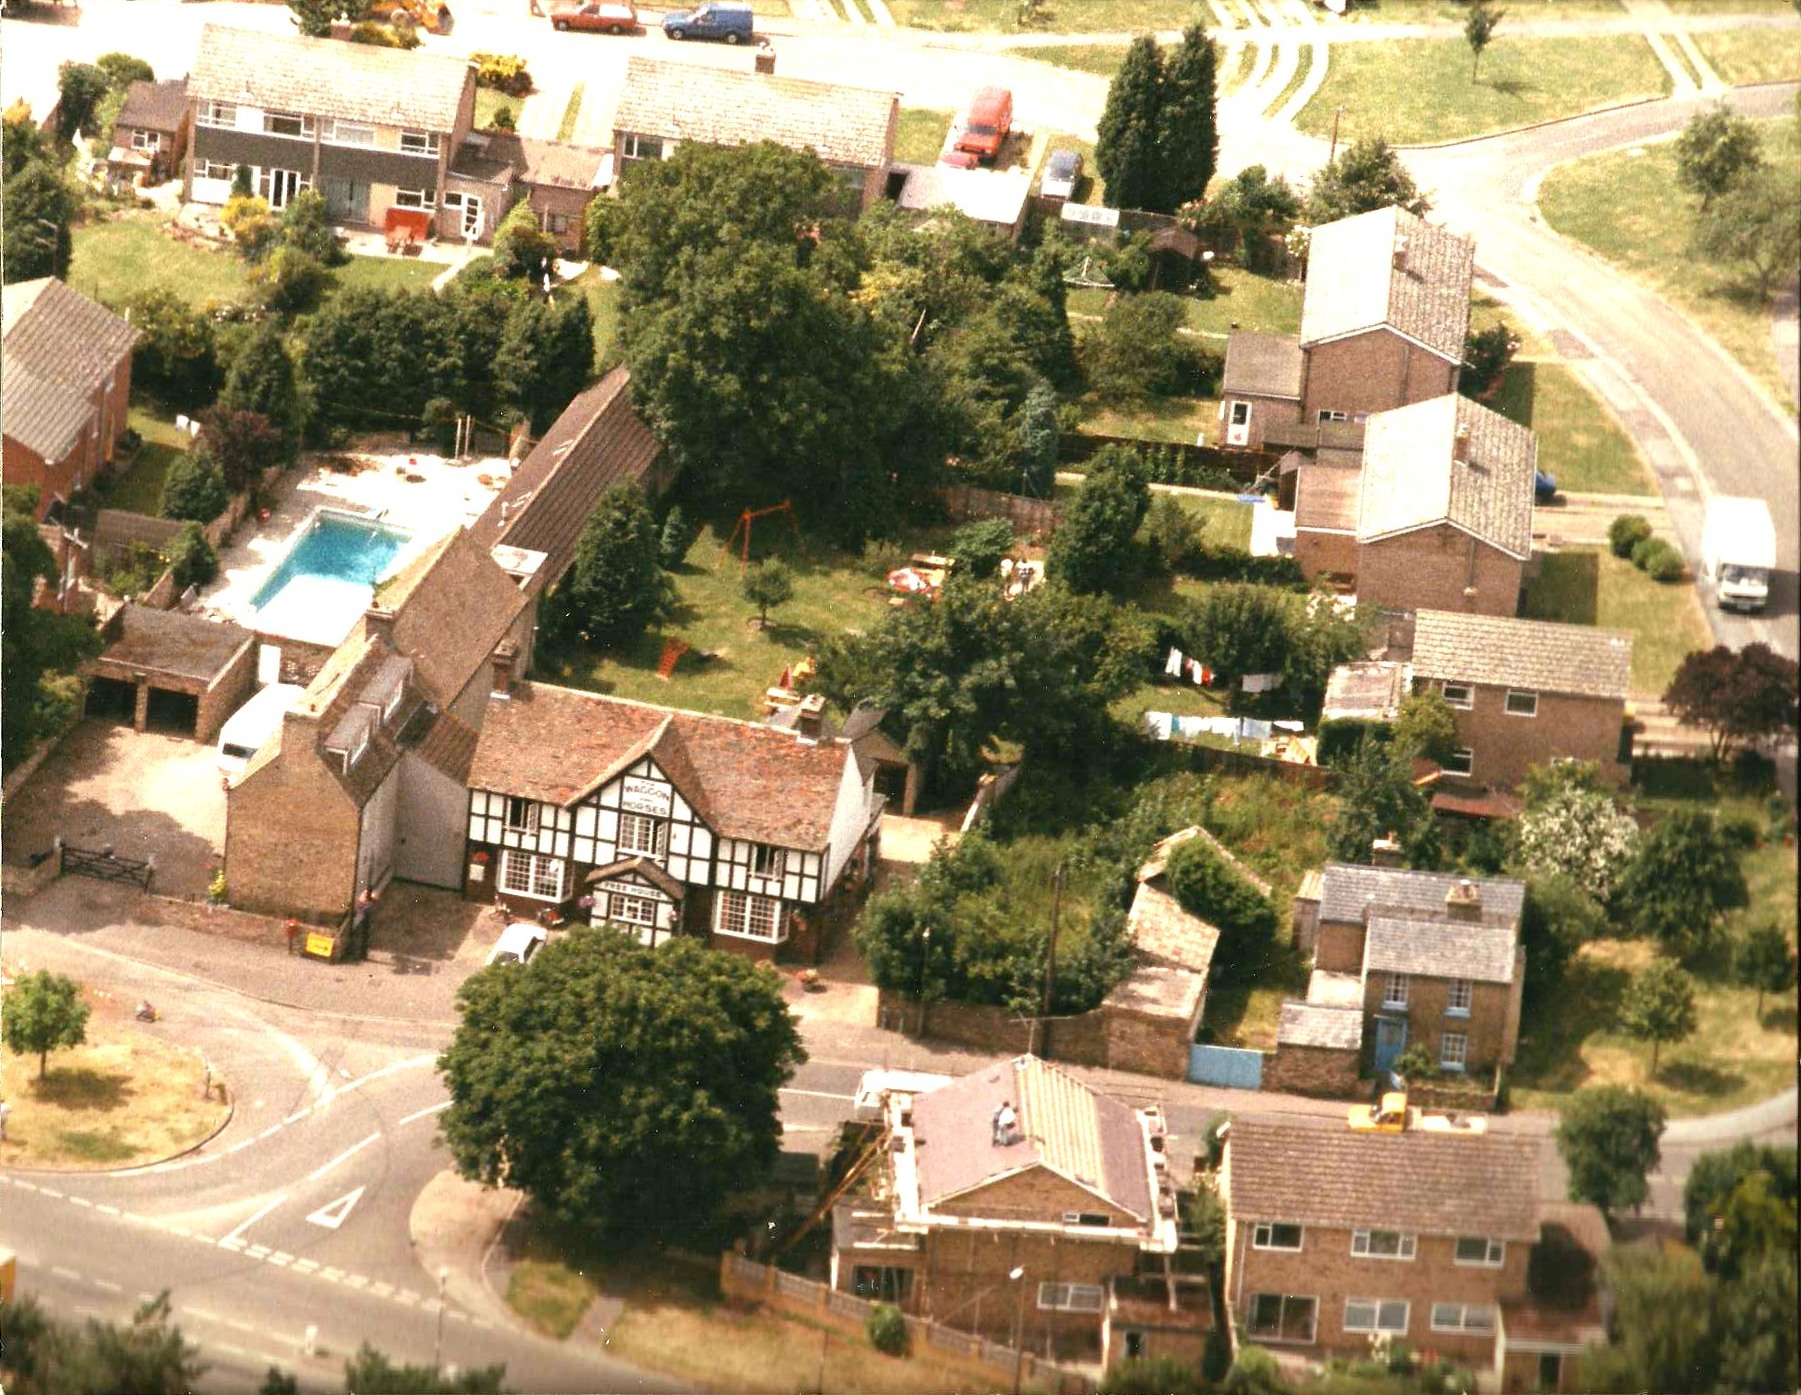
664	104
1526	692
1326	490
493	170
1383	324
665	821
65	389
150	136
1428	1233
1055	1229
1444	509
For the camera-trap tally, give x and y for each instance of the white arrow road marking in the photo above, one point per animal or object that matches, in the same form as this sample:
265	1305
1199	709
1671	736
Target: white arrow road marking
333	1214
238	1233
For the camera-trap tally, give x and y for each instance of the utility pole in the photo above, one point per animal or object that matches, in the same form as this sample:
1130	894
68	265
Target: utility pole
1050	958
1333	153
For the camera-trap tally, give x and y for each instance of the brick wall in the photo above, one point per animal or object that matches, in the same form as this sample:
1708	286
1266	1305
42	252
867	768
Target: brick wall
1319	553
1339	946
1265	413
229	690
1430	569
291	834
1579	728
1311	1070
1372	372
963	1282
1427	1021
1109	1036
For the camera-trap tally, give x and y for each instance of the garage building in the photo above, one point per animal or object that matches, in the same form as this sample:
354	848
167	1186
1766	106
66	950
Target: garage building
166	671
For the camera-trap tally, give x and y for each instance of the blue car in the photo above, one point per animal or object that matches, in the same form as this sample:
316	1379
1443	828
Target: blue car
1544	487
727	20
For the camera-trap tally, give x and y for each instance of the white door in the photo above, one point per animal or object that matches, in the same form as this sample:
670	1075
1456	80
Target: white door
472	215
278	186
1238	424
268	665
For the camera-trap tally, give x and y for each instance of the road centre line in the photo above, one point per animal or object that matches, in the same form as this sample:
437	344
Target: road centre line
106	1210
52	1191
82	1201
411	1063
63	1273
227	1239
345	1156
109	1286
421	1113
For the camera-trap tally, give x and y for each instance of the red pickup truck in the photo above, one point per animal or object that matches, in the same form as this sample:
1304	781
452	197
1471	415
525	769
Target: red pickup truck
983	129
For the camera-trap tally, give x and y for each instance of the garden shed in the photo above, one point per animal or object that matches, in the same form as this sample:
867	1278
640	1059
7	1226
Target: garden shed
168	671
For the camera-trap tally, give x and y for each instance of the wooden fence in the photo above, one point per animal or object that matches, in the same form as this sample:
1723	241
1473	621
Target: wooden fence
1027	515
1200	757
1173	462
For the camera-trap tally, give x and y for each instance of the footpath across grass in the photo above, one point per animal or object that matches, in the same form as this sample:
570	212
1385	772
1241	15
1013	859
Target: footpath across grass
1420	91
1627	208
1590	586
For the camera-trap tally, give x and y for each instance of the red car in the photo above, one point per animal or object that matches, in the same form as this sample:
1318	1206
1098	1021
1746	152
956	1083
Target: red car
608	16
983	130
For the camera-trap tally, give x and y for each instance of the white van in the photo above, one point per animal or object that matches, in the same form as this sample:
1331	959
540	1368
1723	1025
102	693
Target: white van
254	724
1738	552
518	943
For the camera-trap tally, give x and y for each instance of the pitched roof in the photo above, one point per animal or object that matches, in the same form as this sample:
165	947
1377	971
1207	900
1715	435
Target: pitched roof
1539	655
60	349
452	605
1349	891
744	779
1065	1127
154	106
1163	931
1440	949
1324	1174
1263	365
1367	688
714	106
327	77
597	442
1333	1026
1448	460
1354	284
493	154
447	746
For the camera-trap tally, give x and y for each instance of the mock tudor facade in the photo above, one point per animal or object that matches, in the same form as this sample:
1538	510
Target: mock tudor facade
666	822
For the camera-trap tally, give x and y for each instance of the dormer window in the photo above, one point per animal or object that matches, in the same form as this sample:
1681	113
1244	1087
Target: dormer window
766	861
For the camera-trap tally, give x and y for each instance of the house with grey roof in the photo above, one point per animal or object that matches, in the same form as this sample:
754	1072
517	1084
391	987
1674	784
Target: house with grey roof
1383	323
65	389
1526	692
150	135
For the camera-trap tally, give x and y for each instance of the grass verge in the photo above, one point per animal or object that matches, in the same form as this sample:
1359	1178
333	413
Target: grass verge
1102	60
1414	91
1590	586
550	1295
1580	442
1743	56
1062	16
1602	202
919	135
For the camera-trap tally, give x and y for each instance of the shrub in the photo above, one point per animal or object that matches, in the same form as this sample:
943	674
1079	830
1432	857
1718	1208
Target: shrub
886	1329
1485	358
1416	1063
134	571
1235	564
979	547
251	225
503	120
194	489
1641	551
1208	886
504	72
1664	563
1339	738
1626	532
192	558
1741	831
1154	1375
676	539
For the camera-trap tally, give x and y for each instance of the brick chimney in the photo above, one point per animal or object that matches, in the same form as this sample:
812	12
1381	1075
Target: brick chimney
1401	252
340	29
1464	901
1386	851
809	718
506	654
765	57
378	621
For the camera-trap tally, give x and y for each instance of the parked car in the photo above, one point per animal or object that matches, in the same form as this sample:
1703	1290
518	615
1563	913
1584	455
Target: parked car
983	129
607	16
1544	487
1738	552
518	943
1061	172
729	20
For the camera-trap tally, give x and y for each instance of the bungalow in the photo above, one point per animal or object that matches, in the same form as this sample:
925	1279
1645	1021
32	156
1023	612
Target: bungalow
150	136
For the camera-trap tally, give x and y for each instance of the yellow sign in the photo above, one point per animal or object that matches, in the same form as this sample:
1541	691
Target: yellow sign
320	945
9	1271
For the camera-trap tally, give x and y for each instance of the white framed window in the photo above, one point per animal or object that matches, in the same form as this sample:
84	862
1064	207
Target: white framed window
358	746
214	169
1326	416
1394	990
217	114
750	917
419	142
643	147
532	874
1460	762
1283	1317
415	198
1241	414
1453	1050
1276	1235
1375	1315
346	132
1460	695
521	815
1457	997
642	835
1481	1250
631	910
1462	1317
1071	1298
1382	1244
766	861
284	123
1521	704
146	140
556	222
1086	1218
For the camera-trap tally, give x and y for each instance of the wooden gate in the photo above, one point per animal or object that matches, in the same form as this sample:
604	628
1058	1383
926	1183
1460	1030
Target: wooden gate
104	864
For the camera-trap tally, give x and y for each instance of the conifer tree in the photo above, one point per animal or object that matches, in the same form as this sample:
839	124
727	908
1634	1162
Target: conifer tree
1125	148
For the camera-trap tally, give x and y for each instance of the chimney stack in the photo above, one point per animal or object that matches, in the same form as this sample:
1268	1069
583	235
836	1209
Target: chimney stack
506	654
1464	901
1386	851
765	58
1401	252
340	29
378	622
809	718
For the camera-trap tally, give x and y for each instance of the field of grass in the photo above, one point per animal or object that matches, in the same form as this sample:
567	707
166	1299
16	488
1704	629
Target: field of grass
1176	419
121	1099
1625	207
1103	60
140	487
1417	91
488	102
115	259
1586	586
1061	16
1247	300
386	273
919	135
730	662
1742	56
1580	442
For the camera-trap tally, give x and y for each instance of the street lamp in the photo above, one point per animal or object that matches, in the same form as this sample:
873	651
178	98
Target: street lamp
925	954
437	1351
1019	1323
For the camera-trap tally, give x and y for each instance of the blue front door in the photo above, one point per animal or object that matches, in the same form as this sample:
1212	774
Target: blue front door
1391	1040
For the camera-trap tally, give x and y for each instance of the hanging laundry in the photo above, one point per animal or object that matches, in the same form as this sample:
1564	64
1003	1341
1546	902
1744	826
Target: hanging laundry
1260	682
1173	668
1291	725
1158	724
1255	730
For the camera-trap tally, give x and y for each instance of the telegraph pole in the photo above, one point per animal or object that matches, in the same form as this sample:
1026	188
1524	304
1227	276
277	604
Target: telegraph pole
1050	958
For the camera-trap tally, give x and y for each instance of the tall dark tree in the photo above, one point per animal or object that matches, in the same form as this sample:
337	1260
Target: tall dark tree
39	649
123	69
1187	125
80	88
1713	1181
1365	176
1659	1006
176	354
1662	1335
1479	31
1092	549
1378	799
673	1053
38	208
241	444
616	585
1737	697
44	1355
1685	876
263	379
1608	1140
1764	960
1715	150
1126	140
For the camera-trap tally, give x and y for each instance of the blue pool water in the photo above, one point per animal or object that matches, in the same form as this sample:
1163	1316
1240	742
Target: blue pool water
327	577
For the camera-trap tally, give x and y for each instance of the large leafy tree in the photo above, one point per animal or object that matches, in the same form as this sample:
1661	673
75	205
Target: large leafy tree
1248	212
44	1355
39	649
1092	549
1764	960
194	489
1756	1322
241	444
1684	877
579	1079
38	208
1659	1006
1238	628
1715	1179
1752	226
1366	175
545	357
616	585
1715	150
1736	696
1571	829
176	354
1378	799
1126	140
44	1013
263	379
1187	131
1608	1138
1662	1325
80	88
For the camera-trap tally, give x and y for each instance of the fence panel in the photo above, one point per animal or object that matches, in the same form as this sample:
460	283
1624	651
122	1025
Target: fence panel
847	1305
1229	1066
794	1286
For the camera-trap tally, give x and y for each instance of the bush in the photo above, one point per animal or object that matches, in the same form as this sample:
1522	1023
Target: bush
1208	886
503	120
1235	564
504	72
1741	831
192	558
1154	1375
1664	563
676	539
251	224
1641	551
1416	1063
886	1329
1626	532
438	422
1340	737
194	489
980	546
134	571
385	35
1485	358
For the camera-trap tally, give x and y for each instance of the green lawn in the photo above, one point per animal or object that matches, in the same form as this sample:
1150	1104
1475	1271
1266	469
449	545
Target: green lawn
1061	16
919	135
140	488
730	663
1224	522
1417	91
387	273
603	307
129	253
488	102
1625	207
1580	442
1589	586
1742	56
1249	301
1176	419
1731	7
1100	59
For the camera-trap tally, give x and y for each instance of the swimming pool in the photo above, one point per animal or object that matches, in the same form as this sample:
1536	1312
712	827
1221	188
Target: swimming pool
327	576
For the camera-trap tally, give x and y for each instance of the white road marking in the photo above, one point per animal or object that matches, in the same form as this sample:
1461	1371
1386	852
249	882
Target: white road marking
421	1113
182	1231
23	1186
273	1128
234	1349
199	1162
280	1258
258	1252
334	1213
133	1217
298	1115
240	1146
63	1273
345	1156
356	1280
237	1326
82	1201
305	1266
411	1063
106	1210
109	1286
407	1296
229	1244
233	1235
331	1274
51	1191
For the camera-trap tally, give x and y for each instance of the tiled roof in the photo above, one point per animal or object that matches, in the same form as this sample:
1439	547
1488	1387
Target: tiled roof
448	746
715	106
597	442
1353	283
1448	460
1348	891
1539	655
155	106
1320	1024
744	779
1155	990
1431	1183
173	643
451	607
1263	365
1440	949
1325	498
489	154
1089	1138
60	349
328	77
1369	688
1162	930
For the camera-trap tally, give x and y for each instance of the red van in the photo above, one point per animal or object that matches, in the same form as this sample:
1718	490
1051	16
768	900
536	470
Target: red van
984	128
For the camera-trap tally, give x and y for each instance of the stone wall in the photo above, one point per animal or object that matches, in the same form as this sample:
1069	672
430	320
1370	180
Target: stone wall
1311	1070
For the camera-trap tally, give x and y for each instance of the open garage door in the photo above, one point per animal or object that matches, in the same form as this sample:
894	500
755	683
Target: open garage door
172	713
112	700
